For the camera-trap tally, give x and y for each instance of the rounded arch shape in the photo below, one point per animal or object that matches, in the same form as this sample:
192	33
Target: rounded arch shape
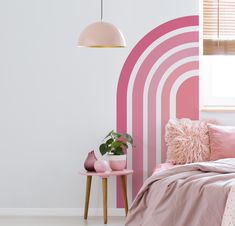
140	77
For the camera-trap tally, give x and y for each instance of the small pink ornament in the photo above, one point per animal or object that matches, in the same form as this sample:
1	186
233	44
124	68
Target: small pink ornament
101	166
90	161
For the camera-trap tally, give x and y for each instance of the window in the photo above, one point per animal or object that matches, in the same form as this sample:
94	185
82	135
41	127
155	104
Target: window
218	80
218	59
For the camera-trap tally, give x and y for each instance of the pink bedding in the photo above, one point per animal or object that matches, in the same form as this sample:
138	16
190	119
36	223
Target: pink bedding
188	195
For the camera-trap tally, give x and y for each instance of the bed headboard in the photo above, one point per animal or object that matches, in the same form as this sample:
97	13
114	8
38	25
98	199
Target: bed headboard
158	81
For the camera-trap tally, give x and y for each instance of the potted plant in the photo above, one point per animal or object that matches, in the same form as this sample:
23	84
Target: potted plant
114	145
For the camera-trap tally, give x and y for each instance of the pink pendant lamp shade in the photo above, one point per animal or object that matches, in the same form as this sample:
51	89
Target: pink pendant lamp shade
101	35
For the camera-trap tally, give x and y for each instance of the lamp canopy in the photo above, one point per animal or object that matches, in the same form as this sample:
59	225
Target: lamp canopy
101	35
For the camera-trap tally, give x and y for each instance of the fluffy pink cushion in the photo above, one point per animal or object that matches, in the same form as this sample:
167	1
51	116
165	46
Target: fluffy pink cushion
222	141
187	141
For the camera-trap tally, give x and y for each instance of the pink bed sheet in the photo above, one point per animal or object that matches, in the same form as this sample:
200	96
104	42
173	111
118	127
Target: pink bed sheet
187	195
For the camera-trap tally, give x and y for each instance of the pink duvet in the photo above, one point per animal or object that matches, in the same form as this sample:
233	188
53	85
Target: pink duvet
188	195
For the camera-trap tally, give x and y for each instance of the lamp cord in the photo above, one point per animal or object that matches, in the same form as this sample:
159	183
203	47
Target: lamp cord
101	10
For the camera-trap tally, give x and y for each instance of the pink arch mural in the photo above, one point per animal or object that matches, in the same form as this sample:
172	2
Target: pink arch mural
182	52
152	103
165	107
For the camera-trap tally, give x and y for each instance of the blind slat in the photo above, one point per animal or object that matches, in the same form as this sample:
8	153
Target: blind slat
219	26
211	47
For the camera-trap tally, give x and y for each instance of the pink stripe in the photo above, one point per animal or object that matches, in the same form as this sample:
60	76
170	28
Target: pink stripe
152	103
127	70
165	107
187	99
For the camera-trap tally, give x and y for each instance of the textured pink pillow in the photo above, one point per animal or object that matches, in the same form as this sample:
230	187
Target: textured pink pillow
187	141
222	141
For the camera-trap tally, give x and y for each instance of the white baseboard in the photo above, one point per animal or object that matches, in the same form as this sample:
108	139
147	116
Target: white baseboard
63	212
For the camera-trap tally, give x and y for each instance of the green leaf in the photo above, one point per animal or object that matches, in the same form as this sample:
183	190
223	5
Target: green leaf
103	149
128	138
116	144
116	135
109	141
108	134
125	145
118	151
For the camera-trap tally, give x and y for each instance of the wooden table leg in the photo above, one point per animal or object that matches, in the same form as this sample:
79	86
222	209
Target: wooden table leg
123	180
88	189
105	209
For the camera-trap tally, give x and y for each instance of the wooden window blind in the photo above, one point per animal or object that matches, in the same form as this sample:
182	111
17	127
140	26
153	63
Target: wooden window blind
218	27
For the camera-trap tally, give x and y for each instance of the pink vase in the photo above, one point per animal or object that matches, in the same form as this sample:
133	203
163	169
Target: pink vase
102	166
117	162
90	161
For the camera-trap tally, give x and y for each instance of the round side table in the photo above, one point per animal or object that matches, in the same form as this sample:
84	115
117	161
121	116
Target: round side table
104	176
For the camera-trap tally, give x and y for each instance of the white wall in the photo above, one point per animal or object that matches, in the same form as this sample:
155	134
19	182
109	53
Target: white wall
57	101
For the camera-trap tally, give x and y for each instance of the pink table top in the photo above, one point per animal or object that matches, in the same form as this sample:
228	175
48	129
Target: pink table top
107	173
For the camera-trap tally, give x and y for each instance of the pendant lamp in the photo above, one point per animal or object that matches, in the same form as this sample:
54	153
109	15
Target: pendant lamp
101	35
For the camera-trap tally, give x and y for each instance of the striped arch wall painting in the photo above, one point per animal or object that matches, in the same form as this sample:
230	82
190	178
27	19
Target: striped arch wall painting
159	81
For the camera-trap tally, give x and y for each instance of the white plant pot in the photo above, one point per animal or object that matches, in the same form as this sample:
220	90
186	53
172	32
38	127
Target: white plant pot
117	162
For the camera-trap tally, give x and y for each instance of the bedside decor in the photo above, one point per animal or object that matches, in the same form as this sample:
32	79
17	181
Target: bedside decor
90	161
114	146
117	162
101	166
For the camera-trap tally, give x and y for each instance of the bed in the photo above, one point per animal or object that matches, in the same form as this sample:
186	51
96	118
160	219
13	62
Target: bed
192	194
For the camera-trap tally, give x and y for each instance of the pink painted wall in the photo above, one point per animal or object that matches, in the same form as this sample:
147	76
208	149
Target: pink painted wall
165	57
